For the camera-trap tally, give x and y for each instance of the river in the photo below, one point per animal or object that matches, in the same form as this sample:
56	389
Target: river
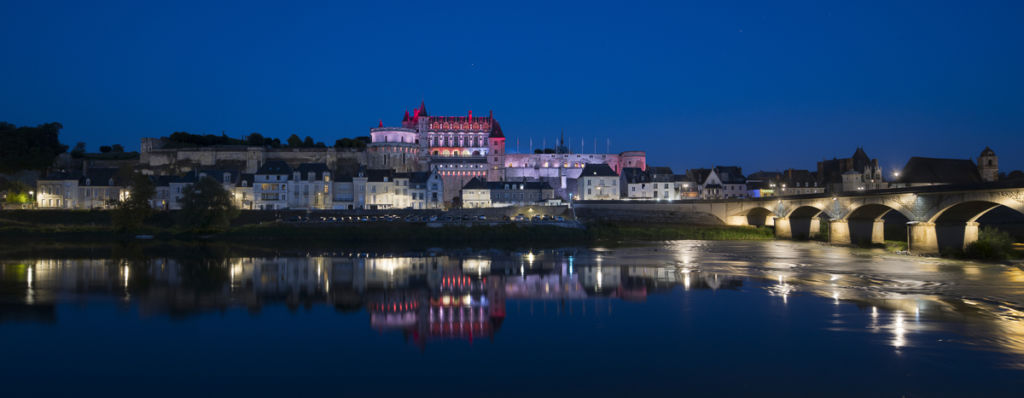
724	318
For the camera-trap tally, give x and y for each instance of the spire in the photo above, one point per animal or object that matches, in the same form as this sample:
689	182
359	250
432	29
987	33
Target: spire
423	108
406	118
561	140
380	123
471	116
491	115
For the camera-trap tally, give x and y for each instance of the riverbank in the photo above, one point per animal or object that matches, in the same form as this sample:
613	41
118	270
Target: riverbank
389	234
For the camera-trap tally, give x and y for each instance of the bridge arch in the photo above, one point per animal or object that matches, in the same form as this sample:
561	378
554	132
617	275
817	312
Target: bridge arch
799	222
956	225
757	216
866	223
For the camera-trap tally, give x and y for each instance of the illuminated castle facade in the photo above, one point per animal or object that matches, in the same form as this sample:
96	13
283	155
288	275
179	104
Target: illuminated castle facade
461	148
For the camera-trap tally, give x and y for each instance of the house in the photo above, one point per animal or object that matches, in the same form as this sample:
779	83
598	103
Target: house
476	194
598	182
97	188
635	184
426	190
479	193
723	182
654	183
685	187
270	185
662	183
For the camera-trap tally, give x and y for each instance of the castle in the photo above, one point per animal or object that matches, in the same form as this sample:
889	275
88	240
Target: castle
457	148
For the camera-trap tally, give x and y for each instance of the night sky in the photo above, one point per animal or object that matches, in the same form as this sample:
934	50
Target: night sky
753	83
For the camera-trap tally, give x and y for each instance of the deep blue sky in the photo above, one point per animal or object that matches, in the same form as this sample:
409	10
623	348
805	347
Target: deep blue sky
765	85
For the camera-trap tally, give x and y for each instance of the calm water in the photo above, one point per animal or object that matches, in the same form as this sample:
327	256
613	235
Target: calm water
682	318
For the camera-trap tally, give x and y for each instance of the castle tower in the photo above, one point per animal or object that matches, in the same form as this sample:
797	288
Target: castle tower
496	152
988	165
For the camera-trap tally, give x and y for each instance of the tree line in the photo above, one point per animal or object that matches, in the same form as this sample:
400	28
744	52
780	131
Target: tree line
29	148
184	139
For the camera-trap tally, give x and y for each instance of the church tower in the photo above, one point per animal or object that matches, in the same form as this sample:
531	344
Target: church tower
988	165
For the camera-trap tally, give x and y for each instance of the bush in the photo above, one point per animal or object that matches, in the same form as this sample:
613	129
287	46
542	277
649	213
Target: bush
992	245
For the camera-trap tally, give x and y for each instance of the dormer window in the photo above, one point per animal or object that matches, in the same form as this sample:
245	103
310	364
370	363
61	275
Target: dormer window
312	176
227	178
110	182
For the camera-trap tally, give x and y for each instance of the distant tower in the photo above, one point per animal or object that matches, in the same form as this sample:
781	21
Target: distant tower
988	165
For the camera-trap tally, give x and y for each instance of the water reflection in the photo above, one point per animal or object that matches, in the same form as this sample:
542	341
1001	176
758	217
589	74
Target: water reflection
466	295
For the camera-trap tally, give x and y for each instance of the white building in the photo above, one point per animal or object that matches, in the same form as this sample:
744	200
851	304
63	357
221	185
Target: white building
598	182
96	189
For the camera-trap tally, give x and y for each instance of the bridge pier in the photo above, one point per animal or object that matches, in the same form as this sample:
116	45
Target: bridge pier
737	221
783	230
839	232
815	228
878	232
970	233
922	238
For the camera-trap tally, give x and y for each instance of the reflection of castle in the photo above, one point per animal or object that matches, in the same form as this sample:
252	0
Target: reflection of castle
427	297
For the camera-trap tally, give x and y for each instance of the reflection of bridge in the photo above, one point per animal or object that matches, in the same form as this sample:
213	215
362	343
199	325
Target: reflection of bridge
939	216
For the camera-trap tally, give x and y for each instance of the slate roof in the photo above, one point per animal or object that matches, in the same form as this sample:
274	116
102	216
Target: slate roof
475	183
698	175
274	167
479	183
102	177
940	171
377	175
598	169
318	170
419	178
633	175
730	175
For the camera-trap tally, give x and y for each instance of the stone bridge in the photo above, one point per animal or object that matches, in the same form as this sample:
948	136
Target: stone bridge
939	216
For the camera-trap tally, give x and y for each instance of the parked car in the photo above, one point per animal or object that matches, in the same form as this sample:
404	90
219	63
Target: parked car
481	217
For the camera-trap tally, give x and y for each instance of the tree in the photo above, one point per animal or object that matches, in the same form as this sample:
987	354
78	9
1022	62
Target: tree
294	141
29	148
130	213
538	151
105	149
17	192
117	148
207	206
255	139
79	150
308	142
